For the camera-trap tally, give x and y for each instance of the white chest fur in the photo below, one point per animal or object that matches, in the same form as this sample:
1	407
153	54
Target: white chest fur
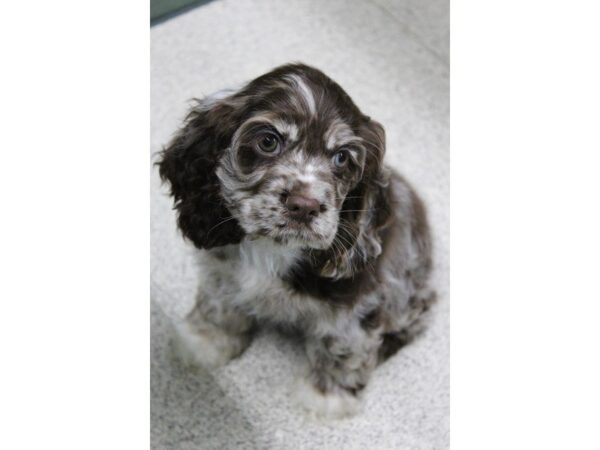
264	258
251	279
261	264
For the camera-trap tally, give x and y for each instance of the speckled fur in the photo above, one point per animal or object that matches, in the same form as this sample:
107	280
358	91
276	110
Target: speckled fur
354	281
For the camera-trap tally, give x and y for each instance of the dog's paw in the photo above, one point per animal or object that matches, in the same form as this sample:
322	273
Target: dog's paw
209	348
336	404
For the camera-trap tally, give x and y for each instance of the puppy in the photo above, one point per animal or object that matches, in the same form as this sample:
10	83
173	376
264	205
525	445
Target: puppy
282	186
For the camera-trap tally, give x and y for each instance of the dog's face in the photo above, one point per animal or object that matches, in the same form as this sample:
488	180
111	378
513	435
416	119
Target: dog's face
292	160
289	156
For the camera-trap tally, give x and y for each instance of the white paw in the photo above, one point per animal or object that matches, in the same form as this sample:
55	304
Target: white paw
337	404
210	348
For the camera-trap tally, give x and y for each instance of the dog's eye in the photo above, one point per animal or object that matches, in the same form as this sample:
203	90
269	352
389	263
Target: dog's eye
340	159
268	143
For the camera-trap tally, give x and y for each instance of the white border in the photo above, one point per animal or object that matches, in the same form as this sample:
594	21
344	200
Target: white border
525	174
74	325
74	241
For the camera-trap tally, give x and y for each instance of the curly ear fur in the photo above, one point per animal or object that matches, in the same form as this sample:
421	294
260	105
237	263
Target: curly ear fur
365	212
188	163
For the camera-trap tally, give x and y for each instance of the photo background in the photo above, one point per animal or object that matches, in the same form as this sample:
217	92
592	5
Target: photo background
392	58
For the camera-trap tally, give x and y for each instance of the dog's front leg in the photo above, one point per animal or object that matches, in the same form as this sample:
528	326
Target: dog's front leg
213	333
340	367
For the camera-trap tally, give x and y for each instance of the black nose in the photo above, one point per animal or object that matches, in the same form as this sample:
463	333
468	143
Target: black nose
302	209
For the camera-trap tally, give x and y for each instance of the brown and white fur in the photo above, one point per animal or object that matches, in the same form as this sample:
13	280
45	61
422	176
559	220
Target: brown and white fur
281	185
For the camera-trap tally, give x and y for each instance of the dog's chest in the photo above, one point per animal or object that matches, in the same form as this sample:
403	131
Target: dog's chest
261	265
251	276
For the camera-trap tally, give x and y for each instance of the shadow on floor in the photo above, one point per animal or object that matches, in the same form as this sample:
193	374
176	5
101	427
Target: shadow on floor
185	404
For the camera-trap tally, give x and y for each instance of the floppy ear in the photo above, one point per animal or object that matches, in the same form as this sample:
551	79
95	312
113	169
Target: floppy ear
365	213
189	162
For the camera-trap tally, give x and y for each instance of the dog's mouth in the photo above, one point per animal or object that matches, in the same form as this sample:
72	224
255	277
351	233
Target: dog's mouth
298	233
291	225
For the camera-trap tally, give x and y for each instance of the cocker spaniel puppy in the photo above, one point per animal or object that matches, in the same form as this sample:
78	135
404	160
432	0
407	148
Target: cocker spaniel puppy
282	187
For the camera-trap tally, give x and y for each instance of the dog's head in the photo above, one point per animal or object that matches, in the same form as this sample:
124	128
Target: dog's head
289	157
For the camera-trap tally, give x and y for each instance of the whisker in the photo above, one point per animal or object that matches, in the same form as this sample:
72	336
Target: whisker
347	241
370	264
220	223
338	250
346	226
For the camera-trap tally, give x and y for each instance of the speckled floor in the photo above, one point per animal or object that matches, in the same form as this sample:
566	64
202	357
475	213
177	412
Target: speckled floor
392	58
